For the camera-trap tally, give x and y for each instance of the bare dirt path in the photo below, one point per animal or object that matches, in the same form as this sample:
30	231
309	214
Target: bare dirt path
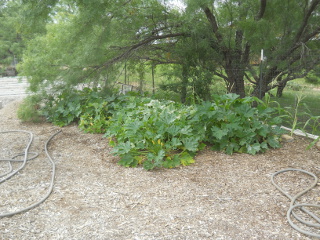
218	197
12	88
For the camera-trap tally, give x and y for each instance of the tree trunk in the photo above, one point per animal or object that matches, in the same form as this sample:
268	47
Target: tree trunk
280	89
184	83
267	78
236	59
235	81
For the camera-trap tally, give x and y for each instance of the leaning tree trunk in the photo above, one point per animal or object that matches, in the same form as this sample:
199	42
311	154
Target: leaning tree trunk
281	86
236	81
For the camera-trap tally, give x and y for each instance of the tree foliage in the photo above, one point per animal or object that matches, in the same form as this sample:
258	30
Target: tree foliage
87	41
286	30
11	44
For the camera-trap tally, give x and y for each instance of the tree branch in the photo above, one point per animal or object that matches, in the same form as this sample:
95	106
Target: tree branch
246	54
221	75
212	20
249	79
263	5
158	61
311	35
142	43
302	28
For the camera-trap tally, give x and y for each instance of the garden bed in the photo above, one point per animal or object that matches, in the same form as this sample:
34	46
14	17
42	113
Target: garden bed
220	196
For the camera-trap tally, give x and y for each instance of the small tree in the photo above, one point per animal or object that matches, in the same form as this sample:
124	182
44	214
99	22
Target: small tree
11	43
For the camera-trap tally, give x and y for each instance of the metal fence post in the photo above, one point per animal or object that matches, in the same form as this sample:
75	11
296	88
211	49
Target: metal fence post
260	82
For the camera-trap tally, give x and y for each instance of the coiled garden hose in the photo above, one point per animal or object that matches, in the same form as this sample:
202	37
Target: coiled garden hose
6	176
294	205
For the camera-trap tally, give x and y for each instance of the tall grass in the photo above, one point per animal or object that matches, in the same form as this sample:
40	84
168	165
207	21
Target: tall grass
301	103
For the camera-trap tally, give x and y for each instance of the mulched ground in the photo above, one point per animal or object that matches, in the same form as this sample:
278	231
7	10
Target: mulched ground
218	197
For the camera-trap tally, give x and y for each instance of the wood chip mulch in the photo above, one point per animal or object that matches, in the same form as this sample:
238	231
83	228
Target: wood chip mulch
219	197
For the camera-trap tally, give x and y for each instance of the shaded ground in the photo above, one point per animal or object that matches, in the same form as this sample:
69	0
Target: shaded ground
218	197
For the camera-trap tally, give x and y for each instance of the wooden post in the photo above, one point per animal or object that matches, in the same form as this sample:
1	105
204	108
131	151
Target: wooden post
152	72
125	73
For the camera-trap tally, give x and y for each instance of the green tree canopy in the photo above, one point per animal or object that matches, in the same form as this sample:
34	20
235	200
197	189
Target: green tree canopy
11	44
286	30
88	40
85	40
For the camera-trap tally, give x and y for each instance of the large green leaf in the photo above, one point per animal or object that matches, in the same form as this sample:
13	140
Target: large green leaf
218	132
174	130
172	162
122	148
253	149
273	142
191	143
128	160
186	159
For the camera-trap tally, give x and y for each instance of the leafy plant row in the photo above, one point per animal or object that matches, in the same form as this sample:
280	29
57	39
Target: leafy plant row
155	133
